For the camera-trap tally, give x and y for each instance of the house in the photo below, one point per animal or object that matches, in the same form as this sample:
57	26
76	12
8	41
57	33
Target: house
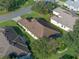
72	4
63	19
37	28
10	42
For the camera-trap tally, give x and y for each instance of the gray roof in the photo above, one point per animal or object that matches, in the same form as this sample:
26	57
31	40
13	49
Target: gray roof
52	0
66	19
75	4
5	46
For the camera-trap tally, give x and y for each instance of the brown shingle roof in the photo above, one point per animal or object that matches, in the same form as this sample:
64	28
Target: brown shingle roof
37	28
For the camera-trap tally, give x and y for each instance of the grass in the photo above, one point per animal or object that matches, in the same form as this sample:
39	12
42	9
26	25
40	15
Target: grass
8	23
37	15
3	12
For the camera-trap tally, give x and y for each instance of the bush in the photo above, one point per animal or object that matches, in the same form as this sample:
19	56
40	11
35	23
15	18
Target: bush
66	56
61	47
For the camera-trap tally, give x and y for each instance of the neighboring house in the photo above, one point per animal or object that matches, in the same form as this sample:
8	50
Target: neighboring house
37	28
10	42
72	4
63	19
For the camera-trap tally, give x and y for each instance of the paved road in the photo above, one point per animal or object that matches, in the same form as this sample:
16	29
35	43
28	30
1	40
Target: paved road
13	14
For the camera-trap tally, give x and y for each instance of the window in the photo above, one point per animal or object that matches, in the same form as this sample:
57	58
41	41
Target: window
63	26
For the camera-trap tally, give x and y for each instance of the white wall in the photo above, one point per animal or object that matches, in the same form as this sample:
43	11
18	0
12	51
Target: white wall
30	33
56	13
60	25
71	7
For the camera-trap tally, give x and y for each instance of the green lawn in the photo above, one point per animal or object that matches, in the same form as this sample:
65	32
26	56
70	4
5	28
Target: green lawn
37	15
3	12
8	23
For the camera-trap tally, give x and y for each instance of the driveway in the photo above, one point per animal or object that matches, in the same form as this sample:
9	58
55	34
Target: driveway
14	14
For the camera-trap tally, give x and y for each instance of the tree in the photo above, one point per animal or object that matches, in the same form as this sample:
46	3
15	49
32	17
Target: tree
75	34
4	4
10	4
66	56
44	7
67	39
42	49
15	4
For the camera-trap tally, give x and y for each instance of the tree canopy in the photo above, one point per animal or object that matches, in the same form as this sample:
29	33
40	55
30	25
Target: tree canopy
67	56
44	7
10	4
43	49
